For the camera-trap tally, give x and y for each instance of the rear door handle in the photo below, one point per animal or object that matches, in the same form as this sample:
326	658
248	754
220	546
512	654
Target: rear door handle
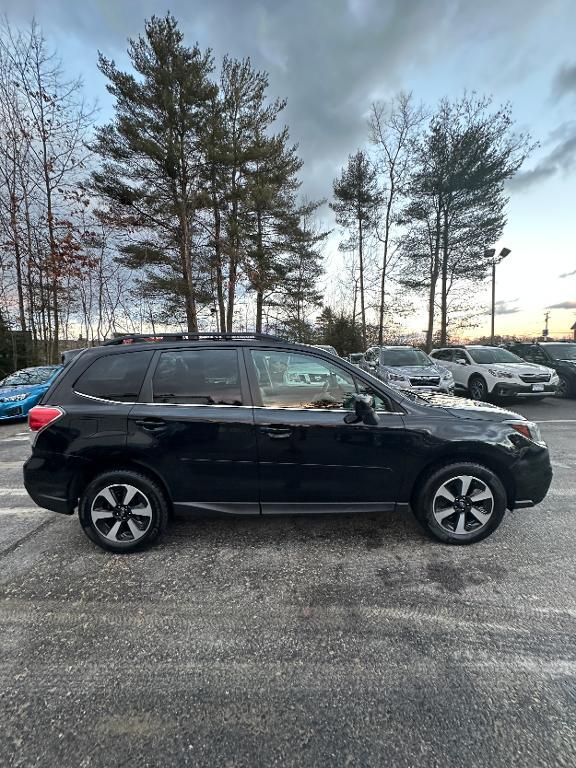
150	424
277	433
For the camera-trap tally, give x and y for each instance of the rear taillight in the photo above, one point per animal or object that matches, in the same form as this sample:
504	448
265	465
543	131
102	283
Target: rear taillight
41	416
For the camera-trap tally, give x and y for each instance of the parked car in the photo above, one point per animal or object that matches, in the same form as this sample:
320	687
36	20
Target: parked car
356	357
128	432
560	356
21	390
326	348
408	368
484	371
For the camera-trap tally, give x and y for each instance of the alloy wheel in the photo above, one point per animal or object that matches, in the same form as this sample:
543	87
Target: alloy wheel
562	388
121	513
477	389
463	505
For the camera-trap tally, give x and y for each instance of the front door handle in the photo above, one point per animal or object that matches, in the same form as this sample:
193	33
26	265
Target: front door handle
151	425
278	433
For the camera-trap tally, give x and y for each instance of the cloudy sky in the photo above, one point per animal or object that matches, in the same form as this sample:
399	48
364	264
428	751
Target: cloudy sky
331	58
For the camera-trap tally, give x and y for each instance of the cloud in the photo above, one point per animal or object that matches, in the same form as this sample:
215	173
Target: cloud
329	59
564	82
563	305
568	274
504	308
561	160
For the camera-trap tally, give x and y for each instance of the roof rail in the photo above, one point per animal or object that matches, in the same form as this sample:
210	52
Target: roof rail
132	338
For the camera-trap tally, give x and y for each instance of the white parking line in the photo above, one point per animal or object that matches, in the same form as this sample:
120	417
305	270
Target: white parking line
13	492
557	421
7	511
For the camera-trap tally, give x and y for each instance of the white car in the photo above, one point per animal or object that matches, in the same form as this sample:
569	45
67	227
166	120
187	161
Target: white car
485	371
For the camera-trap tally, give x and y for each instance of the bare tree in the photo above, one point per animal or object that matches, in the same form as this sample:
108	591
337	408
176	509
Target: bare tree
392	129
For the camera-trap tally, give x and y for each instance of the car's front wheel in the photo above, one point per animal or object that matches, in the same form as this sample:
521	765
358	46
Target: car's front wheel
461	503
123	510
477	388
563	388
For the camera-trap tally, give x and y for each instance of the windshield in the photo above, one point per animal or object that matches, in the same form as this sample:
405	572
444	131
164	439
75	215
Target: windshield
561	351
403	357
28	377
493	355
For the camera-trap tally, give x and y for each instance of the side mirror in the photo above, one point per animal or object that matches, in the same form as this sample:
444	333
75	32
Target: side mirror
363	412
462	362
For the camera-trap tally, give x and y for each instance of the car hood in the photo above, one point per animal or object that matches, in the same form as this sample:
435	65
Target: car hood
21	389
469	409
415	370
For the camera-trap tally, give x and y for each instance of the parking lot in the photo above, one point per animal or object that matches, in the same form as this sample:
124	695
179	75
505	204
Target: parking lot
333	640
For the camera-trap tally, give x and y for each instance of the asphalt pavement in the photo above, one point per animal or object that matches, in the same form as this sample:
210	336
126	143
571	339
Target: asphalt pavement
317	641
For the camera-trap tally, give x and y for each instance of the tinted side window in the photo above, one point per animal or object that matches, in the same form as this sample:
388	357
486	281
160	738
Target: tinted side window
198	377
289	380
532	354
115	377
443	354
293	380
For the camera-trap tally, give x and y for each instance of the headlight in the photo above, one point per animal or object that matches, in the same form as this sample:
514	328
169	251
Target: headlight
394	376
528	429
554	378
13	398
500	374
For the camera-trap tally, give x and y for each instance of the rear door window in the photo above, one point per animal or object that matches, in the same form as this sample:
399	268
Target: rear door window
197	377
115	377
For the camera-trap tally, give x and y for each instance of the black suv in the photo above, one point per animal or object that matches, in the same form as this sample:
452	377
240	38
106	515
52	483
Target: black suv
560	355
249	424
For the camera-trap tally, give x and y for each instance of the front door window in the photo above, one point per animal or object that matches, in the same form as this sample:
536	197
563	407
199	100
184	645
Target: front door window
294	380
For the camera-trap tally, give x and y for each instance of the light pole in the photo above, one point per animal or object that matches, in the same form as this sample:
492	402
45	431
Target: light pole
491	254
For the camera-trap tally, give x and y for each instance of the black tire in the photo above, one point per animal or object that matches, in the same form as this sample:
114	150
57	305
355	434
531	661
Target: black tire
149	514
424	507
563	389
477	388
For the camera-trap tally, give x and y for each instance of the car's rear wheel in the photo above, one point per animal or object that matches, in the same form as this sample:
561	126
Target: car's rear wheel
122	511
461	503
477	388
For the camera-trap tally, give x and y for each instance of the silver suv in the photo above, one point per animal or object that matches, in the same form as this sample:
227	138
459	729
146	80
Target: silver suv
408	368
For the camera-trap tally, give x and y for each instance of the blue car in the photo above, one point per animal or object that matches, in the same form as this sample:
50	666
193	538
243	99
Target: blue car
21	390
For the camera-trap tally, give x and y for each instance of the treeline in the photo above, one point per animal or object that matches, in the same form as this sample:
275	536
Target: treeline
185	210
419	207
186	203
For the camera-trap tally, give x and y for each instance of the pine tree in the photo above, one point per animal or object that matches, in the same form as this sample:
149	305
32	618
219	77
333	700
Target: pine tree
357	199
152	159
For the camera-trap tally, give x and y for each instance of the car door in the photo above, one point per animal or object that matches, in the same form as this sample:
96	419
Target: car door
194	426
460	368
310	459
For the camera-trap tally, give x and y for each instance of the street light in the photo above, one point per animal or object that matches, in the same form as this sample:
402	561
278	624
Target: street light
490	254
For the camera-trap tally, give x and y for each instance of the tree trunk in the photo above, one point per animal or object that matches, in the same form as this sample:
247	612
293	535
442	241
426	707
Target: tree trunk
444	296
384	266
259	310
434	264
17	259
361	257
